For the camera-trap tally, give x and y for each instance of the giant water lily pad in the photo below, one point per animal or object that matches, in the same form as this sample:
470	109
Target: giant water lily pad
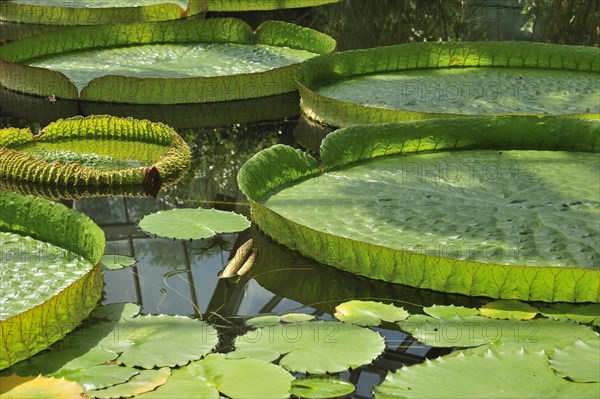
95	12
501	221
495	374
313	347
428	80
256	5
96	152
50	277
172	62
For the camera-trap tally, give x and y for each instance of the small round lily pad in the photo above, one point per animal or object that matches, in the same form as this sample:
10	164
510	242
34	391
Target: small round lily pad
192	224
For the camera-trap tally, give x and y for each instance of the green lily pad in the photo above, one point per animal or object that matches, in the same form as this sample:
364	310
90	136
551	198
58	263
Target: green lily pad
63	359
315	347
89	367
369	313
579	362
95	12
48	275
116	311
193	224
39	387
236	378
94	152
158	340
169	62
114	262
263	321
431	80
145	381
579	313
271	320
495	374
265	354
537	334
508	309
296	317
450	312
145	341
317	387
262	5
443	219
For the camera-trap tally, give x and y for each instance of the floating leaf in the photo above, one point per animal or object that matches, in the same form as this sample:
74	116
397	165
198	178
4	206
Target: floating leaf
63	358
15	387
197	61
145	381
260	5
579	313
113	262
271	320
129	152
386	84
296	317
579	362
98	377
265	354
92	12
369	313
263	321
472	331
397	240
495	374
193	224
316	347
450	312
116	311
158	340
235	378
44	297
321	387
508	309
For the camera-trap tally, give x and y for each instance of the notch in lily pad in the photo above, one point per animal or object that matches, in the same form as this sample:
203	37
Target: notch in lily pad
192	224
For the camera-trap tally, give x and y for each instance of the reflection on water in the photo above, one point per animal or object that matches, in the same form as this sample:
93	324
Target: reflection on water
180	277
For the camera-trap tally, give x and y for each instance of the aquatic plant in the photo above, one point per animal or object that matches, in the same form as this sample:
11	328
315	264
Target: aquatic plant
188	61
407	221
96	151
51	277
431	80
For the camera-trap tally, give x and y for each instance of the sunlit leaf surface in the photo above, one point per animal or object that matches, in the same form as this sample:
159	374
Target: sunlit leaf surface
579	361
193	224
511	374
318	387
315	347
235	378
369	313
508	309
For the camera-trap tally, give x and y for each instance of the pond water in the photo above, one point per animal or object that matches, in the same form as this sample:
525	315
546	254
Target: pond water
181	277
